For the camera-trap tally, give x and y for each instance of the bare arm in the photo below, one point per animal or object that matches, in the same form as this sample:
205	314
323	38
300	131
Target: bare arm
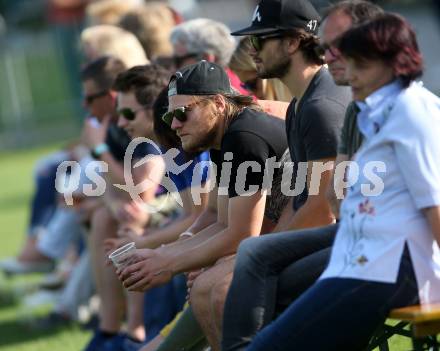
245	217
171	232
316	211
335	187
433	216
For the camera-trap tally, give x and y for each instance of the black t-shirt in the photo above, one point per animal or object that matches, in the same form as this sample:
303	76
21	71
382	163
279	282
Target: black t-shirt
117	140
252	138
313	131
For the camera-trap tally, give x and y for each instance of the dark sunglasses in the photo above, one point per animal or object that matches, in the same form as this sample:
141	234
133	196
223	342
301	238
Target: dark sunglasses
320	50
257	42
180	112
90	98
129	114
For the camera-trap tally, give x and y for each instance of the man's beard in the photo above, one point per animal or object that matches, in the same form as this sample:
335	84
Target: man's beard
277	70
203	143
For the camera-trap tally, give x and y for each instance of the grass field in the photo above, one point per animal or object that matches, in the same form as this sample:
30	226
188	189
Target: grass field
15	332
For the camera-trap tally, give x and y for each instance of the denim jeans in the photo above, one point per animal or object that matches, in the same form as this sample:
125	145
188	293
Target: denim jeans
44	201
338	314
270	272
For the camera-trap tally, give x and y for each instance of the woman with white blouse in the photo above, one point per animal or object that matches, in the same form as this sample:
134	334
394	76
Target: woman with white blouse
386	252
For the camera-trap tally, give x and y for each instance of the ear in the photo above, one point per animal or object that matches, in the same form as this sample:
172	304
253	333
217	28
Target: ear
291	45
114	97
220	103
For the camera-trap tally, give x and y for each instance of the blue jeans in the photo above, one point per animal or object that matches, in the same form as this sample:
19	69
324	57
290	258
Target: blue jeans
270	272
44	201
338	314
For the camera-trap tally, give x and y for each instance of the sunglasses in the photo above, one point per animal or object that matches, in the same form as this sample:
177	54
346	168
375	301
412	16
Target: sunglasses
180	113
129	114
92	97
257	42
331	48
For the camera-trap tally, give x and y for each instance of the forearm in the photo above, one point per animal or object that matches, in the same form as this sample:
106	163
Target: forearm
433	216
206	218
223	243
168	234
311	215
179	246
333	201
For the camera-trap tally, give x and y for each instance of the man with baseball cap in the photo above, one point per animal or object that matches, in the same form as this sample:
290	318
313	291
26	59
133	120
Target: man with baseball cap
283	34
207	115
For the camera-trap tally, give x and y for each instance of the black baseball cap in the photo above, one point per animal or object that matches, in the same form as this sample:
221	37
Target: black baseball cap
202	78
272	16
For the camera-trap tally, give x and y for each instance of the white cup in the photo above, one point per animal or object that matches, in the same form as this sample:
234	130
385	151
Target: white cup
121	257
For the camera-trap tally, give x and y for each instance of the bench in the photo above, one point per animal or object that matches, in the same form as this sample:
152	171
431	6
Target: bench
424	323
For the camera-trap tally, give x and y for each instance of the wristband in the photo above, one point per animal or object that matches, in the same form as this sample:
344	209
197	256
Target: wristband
187	233
98	150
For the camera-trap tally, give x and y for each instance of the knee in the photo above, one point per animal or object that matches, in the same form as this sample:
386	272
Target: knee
102	225
249	252
200	291
218	298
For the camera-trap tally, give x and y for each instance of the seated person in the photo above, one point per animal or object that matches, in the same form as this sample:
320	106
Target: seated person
207	115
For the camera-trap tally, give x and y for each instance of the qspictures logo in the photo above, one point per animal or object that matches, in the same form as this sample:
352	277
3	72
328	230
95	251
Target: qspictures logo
87	179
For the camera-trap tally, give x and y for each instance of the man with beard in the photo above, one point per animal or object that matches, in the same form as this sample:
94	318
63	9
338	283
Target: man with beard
206	114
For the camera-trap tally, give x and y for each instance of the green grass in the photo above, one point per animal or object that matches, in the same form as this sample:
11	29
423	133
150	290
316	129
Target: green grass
15	331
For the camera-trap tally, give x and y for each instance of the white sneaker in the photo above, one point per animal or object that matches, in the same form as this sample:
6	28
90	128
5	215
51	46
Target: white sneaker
12	266
41	298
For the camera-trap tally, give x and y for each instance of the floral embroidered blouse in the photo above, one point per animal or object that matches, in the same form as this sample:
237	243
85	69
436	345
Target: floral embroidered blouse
394	175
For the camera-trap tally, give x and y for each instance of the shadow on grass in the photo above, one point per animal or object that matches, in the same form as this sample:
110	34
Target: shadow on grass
8	298
20	331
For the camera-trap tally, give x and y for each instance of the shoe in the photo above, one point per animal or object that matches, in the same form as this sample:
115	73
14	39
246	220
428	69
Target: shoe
122	342
41	298
98	340
12	266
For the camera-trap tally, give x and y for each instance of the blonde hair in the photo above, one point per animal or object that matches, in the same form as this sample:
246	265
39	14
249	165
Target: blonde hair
152	24
273	89
102	40
108	11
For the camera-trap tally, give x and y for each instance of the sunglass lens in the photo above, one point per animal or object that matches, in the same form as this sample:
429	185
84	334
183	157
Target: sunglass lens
180	114
127	114
168	117
255	41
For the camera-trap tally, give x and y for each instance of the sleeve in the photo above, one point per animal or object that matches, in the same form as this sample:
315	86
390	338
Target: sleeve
249	153
350	113
320	128
197	173
417	147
